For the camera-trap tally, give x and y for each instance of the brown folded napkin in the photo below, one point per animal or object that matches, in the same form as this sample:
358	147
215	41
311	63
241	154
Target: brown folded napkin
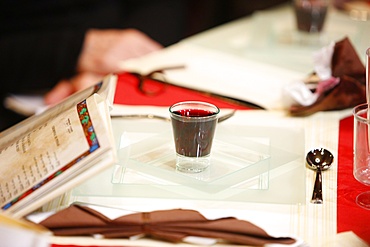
349	92
170	225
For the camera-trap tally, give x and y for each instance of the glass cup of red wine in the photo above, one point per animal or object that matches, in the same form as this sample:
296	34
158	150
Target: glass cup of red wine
194	125
310	18
361	151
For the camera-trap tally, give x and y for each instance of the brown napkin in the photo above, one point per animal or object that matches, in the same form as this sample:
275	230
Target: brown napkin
170	225
349	92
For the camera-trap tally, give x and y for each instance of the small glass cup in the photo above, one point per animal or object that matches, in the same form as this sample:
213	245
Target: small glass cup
194	125
310	18
310	15
361	151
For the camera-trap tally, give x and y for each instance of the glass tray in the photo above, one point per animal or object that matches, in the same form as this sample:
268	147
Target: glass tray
277	175
233	161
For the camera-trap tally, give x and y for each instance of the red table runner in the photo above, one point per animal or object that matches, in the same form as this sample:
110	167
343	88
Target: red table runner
350	217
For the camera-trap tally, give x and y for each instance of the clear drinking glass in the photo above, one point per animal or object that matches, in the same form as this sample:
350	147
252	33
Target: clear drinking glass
361	141
194	125
361	151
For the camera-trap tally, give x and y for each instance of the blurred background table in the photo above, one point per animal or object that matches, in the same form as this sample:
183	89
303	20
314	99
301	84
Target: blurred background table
270	37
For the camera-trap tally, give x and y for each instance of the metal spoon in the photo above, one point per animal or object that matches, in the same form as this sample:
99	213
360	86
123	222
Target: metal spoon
318	159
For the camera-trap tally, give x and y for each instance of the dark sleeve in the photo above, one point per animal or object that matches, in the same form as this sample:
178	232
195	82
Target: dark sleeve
38	60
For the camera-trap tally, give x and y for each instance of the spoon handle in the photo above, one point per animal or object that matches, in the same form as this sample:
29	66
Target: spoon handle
317	190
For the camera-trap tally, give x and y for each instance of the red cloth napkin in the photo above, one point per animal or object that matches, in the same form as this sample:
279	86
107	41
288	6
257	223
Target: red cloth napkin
350	217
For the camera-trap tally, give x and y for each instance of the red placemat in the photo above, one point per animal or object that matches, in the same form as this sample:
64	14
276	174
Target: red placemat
128	93
350	217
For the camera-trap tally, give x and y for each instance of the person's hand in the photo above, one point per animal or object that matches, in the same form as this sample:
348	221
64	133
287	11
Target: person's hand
104	49
101	53
67	87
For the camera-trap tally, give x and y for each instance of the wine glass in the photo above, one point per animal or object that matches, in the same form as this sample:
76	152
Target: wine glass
361	148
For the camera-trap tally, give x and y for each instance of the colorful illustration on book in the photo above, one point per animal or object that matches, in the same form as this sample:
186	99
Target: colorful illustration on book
91	139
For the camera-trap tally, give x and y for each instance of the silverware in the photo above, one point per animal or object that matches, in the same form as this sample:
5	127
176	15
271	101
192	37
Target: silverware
318	159
138	116
226	116
153	116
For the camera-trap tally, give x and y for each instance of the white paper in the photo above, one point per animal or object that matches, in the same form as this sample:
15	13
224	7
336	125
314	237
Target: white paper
16	237
219	73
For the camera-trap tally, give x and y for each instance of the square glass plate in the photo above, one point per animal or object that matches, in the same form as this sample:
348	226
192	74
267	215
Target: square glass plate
233	160
281	148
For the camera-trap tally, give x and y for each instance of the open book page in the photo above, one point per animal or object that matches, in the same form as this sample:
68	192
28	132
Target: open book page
54	151
105	88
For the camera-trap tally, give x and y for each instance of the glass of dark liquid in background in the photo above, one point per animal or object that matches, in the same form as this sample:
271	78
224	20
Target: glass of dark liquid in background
310	18
194	125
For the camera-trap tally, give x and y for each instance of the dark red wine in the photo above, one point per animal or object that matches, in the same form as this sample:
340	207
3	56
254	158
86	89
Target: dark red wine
194	138
310	18
194	113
